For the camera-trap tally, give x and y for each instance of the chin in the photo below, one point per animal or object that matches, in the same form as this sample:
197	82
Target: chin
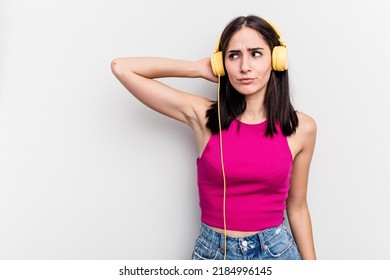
248	91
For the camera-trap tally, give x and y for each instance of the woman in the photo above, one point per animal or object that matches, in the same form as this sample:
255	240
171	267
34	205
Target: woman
257	165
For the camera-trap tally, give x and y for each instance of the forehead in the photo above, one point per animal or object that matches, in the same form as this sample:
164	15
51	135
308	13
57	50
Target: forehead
246	38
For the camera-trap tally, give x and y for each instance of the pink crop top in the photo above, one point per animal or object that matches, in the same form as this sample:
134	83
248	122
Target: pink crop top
258	171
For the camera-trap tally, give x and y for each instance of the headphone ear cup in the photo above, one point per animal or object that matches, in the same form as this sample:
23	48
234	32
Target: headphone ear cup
217	64
279	58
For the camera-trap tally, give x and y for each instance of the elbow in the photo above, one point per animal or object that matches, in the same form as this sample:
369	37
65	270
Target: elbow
115	67
296	205
120	67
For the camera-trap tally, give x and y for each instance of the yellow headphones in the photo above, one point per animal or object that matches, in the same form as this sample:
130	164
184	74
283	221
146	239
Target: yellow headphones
279	55
217	61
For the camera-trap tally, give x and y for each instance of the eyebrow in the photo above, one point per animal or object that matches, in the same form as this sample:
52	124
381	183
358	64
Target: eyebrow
249	49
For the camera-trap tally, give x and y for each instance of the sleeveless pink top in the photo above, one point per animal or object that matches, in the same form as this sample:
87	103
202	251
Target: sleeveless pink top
258	171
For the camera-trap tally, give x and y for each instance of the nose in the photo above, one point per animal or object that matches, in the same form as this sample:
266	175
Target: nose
245	64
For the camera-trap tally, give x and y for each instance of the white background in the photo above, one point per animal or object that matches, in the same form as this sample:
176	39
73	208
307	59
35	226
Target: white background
88	172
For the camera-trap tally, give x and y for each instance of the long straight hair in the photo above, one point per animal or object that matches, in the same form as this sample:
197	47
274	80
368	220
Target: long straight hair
277	102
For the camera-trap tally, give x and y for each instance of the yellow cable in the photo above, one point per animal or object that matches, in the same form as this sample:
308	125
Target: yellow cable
223	167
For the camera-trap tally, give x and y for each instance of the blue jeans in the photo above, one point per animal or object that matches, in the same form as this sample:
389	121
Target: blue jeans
274	243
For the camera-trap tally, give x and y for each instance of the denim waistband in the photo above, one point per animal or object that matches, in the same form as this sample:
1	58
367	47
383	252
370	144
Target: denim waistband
238	244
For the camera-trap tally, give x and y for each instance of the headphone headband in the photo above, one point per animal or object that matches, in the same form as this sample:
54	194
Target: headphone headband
277	31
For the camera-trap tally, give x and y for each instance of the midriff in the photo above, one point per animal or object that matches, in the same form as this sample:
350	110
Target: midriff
234	233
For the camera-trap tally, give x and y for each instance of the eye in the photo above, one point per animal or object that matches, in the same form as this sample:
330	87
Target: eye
257	54
233	56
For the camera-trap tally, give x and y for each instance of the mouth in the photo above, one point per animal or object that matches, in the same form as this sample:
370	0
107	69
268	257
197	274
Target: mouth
246	80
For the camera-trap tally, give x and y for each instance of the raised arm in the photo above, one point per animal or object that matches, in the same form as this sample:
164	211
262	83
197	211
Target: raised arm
138	75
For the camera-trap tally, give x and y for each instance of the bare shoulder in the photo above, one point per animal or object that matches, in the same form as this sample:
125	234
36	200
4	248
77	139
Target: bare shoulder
306	134
304	137
307	125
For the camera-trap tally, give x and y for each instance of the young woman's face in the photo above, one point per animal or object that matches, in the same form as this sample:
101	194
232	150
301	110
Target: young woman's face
248	62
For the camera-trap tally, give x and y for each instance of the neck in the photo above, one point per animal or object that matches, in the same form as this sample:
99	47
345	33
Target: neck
251	119
254	112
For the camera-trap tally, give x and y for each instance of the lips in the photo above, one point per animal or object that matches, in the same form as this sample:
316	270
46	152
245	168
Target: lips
246	81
